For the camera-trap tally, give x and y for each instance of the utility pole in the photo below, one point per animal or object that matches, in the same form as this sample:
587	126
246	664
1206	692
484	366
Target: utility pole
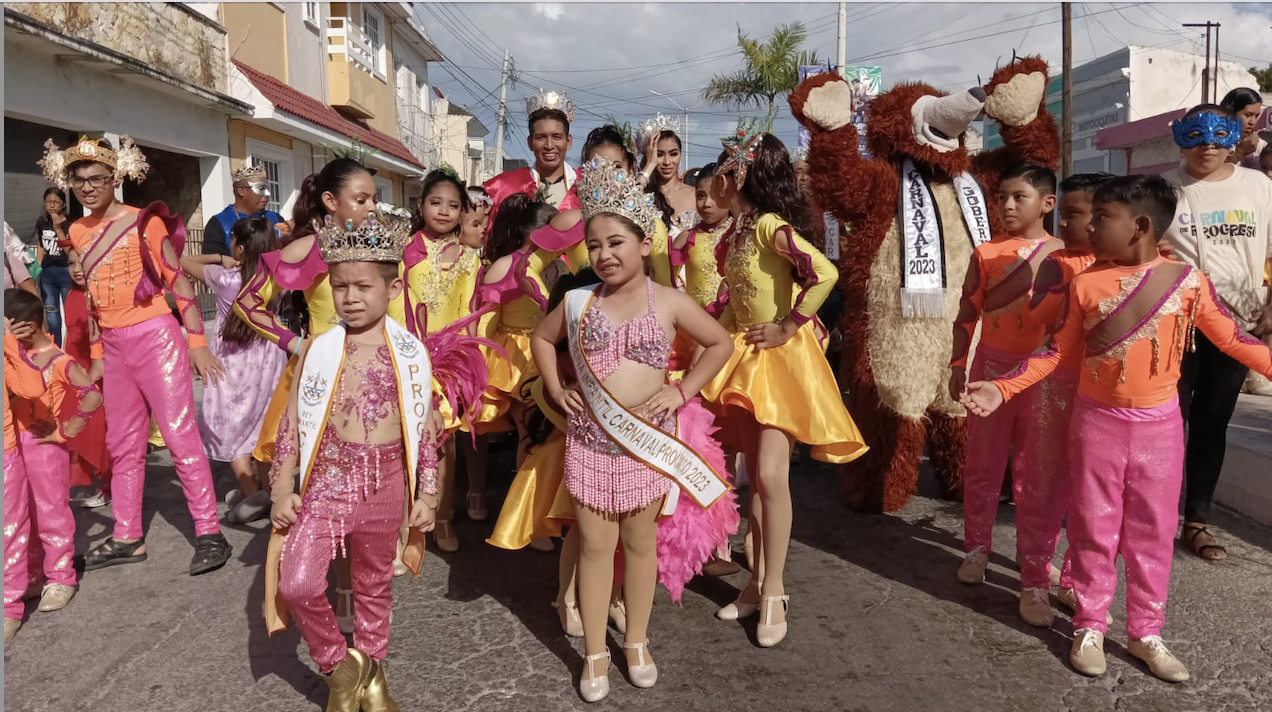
843	35
1215	83
1205	73
503	95
1066	99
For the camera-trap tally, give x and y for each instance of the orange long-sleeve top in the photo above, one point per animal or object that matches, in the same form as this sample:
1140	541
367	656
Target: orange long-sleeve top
115	271
997	290
1049	304
62	376
1130	327
22	379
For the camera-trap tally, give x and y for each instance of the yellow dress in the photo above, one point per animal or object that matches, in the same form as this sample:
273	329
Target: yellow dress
520	300
790	387
701	276
272	278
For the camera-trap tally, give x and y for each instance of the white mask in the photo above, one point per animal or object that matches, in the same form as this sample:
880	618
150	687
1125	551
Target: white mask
261	188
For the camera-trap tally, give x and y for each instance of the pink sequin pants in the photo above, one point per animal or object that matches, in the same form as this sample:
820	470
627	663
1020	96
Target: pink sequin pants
48	467
989	445
148	373
1041	479
1128	468
370	513
17	533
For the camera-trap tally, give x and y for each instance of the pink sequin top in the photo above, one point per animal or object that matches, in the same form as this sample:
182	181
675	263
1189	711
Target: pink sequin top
598	473
642	339
364	415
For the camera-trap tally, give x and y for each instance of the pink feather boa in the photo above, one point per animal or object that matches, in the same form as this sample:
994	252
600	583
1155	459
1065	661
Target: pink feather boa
688	538
459	365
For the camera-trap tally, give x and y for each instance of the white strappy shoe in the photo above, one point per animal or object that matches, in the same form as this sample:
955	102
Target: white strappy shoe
643	674
345	622
767	633
596	688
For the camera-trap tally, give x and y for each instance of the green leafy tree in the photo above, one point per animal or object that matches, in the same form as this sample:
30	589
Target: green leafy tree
770	69
1264	76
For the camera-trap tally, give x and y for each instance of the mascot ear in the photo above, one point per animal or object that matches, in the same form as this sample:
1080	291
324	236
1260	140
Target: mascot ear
822	102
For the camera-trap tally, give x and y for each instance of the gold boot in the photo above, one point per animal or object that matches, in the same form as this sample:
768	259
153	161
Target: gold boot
348	682
377	697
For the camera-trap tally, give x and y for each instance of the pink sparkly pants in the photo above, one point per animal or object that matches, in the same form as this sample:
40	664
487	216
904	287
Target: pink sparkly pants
371	517
1128	469
17	533
48	468
1041	479
148	373
989	445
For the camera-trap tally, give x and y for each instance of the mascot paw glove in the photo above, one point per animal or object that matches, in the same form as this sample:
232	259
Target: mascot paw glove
1016	102
830	105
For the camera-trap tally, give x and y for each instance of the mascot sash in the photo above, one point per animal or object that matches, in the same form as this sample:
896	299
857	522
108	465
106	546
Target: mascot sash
662	452
923	281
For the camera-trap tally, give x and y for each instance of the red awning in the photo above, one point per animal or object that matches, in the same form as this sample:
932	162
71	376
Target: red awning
306	107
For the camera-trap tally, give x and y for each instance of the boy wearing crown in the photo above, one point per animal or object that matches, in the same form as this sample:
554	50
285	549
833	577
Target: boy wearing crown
251	195
362	426
129	258
551	180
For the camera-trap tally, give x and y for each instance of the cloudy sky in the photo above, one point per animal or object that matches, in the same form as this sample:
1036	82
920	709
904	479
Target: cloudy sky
609	57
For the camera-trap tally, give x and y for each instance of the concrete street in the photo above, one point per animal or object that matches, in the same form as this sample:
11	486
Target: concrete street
877	623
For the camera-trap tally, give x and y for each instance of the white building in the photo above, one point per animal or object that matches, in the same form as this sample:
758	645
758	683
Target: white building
460	139
1125	86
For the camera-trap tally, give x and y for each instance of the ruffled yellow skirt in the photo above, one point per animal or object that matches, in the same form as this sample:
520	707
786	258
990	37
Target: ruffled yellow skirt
538	504
264	451
507	378
790	388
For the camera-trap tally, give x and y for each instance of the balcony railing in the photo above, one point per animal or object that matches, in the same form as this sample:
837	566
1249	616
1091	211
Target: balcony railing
354	44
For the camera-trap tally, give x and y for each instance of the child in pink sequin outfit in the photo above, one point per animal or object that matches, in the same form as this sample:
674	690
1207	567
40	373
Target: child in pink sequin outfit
623	338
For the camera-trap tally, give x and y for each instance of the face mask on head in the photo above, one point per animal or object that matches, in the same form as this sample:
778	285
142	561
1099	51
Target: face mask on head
1205	129
261	189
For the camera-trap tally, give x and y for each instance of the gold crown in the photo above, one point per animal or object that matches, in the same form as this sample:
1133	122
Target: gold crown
551	100
248	172
605	187
128	161
382	237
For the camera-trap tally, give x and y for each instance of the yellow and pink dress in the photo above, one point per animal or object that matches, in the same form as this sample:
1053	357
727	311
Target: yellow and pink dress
789	387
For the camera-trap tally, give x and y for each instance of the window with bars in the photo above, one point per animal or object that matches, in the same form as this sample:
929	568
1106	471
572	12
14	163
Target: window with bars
273	183
371	27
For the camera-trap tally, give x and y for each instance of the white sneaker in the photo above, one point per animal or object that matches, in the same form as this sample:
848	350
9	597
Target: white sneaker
1160	662
972	570
1087	654
1035	607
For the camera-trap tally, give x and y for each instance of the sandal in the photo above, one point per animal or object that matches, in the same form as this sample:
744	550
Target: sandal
211	551
477	507
1190	534
113	553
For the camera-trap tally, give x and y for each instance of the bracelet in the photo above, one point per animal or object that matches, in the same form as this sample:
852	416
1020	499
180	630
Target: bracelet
683	397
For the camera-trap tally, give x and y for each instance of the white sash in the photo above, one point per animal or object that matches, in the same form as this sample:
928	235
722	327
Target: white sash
316	385
662	452
923	280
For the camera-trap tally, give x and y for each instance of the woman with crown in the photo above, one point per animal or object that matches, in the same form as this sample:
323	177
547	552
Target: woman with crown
627	441
659	142
362	425
130	258
774	282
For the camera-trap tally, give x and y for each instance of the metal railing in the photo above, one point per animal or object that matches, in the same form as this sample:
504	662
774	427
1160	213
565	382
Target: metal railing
202	295
354	44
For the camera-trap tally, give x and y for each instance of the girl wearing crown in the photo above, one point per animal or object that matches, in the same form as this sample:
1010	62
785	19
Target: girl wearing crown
622	453
343	192
441	275
362	425
130	258
769	308
659	142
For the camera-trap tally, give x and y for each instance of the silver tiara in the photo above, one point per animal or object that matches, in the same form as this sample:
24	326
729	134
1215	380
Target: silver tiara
551	100
653	127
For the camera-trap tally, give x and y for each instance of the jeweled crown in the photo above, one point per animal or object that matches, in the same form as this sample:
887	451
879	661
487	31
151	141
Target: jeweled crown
382	237
799	153
606	187
248	173
127	161
551	100
653	127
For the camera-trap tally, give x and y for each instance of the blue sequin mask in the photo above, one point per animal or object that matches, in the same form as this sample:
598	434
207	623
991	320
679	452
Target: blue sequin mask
1205	129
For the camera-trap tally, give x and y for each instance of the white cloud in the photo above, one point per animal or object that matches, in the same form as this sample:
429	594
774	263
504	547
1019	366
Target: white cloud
608	56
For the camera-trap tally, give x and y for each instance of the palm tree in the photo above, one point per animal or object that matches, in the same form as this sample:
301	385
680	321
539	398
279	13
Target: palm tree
771	69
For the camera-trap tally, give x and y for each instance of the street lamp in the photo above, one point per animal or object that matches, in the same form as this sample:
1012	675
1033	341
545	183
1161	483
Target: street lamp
685	153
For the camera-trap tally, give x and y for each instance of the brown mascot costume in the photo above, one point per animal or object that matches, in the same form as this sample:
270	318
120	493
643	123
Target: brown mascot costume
915	212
